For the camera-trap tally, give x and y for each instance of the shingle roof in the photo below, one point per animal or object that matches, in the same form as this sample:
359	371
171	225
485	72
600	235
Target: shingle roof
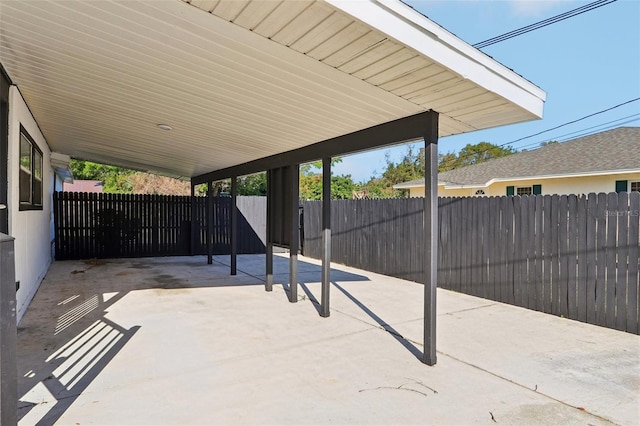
612	150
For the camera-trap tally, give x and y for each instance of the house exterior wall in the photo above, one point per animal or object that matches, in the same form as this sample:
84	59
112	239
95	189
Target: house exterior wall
550	186
30	228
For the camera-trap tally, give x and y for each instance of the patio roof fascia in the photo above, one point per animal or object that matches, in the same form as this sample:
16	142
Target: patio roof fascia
409	27
414	127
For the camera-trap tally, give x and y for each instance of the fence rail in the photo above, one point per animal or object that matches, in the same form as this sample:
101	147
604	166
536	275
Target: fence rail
90	225
571	256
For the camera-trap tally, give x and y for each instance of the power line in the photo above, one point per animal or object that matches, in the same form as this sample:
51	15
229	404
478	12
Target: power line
587	130
573	121
461	156
544	23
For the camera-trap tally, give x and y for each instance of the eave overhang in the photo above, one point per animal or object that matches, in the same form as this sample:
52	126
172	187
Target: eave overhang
239	81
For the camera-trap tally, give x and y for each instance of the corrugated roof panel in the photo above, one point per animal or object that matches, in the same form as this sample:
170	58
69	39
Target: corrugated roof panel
363	43
207	5
230	9
451	126
338	41
370	56
415	80
428	86
303	23
447	99
255	12
281	17
326	29
402	69
397	59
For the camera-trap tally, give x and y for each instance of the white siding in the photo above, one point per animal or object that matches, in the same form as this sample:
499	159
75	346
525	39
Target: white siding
32	228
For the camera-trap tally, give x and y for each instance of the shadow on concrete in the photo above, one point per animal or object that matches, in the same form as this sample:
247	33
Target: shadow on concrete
66	340
59	370
386	327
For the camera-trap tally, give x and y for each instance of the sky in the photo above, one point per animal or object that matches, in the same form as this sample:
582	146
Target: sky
585	64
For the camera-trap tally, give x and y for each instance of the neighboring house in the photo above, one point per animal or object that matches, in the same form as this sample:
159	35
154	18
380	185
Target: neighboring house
83	186
603	162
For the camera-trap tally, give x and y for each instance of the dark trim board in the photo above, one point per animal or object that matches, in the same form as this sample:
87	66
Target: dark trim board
393	132
5	83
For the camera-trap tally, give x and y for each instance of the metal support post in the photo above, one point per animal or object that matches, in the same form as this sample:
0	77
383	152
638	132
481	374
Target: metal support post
234	225
268	285
326	236
430	238
194	229
294	229
209	222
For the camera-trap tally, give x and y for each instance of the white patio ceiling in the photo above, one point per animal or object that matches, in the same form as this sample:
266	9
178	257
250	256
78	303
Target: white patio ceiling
239	80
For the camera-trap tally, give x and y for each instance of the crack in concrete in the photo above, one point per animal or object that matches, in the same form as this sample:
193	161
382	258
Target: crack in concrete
403	388
526	387
470	309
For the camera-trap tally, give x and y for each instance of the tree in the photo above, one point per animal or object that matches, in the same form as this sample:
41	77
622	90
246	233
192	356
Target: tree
125	181
114	179
472	154
342	186
410	167
255	184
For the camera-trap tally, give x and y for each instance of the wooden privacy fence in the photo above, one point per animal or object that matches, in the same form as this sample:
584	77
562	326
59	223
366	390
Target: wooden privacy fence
571	256
90	225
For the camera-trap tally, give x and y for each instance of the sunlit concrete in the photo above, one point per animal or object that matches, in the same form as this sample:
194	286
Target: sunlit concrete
164	341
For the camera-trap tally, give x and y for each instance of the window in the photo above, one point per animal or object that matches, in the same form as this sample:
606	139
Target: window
524	190
635	186
480	192
30	173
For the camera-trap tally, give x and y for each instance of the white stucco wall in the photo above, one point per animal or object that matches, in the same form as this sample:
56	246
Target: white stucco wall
30	228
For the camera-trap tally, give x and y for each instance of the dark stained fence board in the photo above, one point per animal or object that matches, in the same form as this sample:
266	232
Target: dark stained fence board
601	259
581	276
589	259
622	264
546	253
125	225
538	280
555	254
572	242
634	259
612	236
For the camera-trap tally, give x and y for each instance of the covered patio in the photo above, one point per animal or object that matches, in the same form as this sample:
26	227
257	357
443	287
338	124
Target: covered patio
216	89
177	341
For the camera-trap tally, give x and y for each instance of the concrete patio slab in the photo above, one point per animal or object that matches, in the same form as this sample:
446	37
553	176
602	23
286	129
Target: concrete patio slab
176	341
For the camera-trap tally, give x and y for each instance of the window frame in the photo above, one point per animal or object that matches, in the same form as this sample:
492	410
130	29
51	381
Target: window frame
36	164
529	188
633	183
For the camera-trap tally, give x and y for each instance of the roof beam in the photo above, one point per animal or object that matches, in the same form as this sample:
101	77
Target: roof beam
393	132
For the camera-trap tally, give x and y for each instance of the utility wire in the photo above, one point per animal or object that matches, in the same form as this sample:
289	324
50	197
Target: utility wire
556	127
587	130
544	23
572	122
